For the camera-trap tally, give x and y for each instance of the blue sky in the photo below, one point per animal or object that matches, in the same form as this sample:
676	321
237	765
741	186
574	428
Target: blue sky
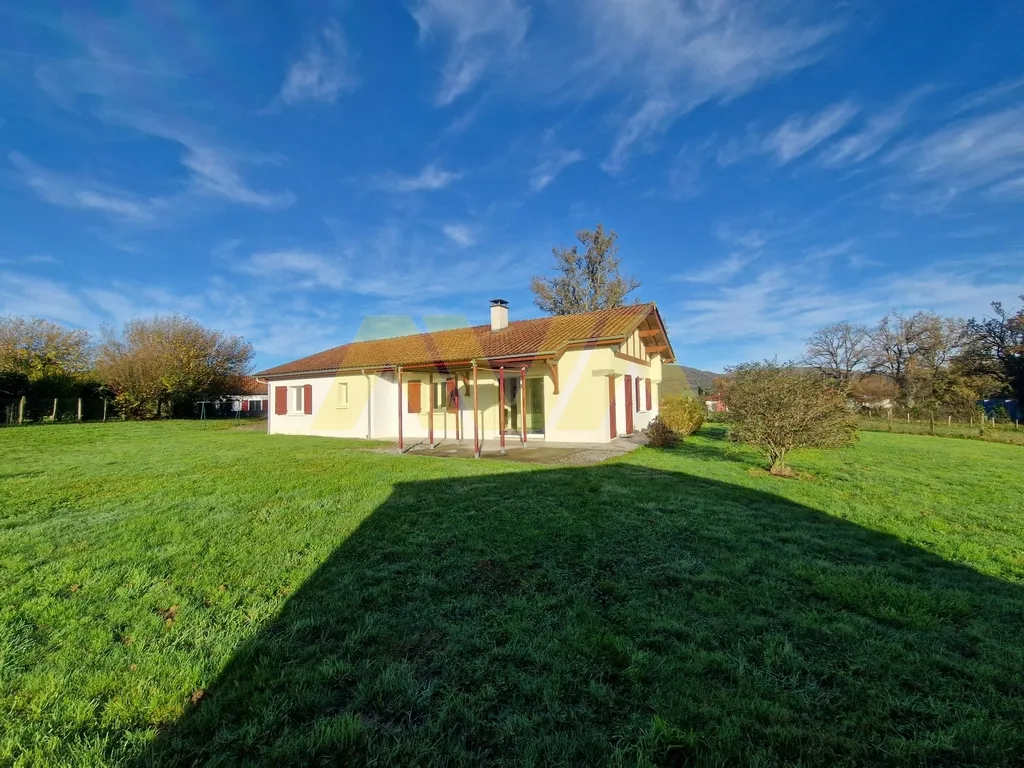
285	170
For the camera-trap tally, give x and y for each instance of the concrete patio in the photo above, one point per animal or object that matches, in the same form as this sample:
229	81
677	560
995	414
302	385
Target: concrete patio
535	451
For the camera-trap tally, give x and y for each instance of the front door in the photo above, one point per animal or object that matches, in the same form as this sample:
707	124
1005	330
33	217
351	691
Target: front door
629	403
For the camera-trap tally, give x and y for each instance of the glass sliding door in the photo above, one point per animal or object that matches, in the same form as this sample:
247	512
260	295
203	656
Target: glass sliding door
534	406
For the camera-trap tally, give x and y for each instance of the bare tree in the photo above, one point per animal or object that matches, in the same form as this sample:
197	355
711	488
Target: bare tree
587	281
839	350
896	345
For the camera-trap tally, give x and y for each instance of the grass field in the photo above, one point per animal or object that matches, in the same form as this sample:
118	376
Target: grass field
1001	433
174	594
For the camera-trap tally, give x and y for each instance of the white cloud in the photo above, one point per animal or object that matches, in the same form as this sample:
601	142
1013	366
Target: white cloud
1010	188
214	169
772	312
553	163
323	72
296	269
30	296
480	34
71	192
829	252
987	96
799	135
460	234
720	271
430	178
676	56
968	154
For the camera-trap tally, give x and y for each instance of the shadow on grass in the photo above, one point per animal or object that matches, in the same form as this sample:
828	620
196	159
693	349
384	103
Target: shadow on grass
614	614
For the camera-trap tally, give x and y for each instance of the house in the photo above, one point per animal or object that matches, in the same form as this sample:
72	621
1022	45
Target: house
572	378
715	403
248	396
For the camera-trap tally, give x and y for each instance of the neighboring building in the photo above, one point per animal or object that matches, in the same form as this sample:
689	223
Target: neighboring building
572	378
250	396
715	404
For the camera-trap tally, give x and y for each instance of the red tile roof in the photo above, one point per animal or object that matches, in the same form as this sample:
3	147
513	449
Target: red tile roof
546	336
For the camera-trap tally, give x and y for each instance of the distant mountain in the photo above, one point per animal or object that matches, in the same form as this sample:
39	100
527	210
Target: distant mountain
683	380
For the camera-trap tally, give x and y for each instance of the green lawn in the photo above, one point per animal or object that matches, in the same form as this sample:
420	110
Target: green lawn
181	594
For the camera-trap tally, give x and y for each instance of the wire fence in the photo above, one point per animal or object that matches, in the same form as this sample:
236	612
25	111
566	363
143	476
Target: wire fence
22	411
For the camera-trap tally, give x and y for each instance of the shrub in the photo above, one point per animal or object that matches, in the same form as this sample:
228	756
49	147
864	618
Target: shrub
777	407
659	435
682	415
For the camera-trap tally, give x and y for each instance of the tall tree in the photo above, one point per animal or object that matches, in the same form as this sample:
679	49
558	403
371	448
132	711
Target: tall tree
584	281
46	358
996	348
896	345
169	359
839	350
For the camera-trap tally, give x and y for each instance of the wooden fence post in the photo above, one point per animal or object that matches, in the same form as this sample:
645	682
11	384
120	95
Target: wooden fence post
104	409
21	410
54	416
79	409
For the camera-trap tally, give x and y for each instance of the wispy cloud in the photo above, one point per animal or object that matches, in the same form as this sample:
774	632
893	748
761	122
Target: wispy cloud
431	178
86	194
479	33
678	56
972	153
460	234
214	169
323	72
799	135
829	252
720	271
553	163
987	97
296	269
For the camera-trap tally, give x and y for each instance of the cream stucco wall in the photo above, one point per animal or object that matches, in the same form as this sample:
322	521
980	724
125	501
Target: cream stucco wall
579	413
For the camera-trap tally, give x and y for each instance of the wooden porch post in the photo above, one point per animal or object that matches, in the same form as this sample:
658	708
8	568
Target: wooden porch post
522	399
476	414
401	444
611	405
458	410
501	406
430	409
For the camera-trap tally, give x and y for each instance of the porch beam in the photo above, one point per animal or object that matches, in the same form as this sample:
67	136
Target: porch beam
430	410
501	406
476	415
553	367
648	333
657	349
401	444
522	399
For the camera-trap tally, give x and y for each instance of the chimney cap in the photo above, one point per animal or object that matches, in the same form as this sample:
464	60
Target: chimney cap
499	303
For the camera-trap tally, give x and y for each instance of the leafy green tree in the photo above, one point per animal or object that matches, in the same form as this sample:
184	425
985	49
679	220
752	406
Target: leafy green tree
172	360
584	281
996	348
43	358
777	407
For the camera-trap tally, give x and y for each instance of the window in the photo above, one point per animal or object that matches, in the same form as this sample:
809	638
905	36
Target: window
295	399
343	394
439	398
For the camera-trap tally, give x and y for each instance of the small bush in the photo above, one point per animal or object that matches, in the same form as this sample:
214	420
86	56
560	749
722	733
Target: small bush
682	415
659	435
778	407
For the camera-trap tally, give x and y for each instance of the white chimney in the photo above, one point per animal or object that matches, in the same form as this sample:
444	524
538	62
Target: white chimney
499	314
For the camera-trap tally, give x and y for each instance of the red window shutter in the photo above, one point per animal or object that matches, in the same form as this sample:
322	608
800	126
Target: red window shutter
307	399
414	396
280	400
245	406
636	398
647	385
451	395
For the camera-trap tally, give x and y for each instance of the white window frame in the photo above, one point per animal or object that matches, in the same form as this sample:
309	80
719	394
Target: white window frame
439	396
296	393
342	396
